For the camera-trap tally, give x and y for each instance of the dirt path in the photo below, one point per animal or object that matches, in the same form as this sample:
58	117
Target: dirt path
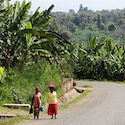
104	106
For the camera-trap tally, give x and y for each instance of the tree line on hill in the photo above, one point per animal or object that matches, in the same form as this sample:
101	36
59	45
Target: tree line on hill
99	40
76	26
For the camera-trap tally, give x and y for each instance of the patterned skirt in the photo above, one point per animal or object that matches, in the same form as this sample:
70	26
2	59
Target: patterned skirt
36	111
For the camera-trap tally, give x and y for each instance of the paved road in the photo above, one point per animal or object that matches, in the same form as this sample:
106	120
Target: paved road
104	106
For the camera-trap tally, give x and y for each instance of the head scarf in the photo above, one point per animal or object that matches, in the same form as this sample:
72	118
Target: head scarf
37	88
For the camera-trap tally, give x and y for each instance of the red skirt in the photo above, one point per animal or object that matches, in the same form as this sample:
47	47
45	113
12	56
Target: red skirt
52	109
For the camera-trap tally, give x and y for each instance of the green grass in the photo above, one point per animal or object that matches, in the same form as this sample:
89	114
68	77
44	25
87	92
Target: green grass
86	86
12	121
20	115
101	81
76	100
22	86
23	83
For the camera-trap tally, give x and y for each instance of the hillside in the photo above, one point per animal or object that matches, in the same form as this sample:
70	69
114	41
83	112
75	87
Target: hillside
75	26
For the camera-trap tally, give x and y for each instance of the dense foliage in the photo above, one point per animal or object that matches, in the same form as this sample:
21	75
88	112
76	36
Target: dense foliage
100	55
21	85
104	24
24	38
35	49
99	60
28	46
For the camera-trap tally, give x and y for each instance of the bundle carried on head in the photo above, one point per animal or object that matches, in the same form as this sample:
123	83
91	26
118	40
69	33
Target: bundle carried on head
52	84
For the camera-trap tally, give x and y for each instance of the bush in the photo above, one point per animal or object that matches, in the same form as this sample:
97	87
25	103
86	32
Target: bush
22	86
111	27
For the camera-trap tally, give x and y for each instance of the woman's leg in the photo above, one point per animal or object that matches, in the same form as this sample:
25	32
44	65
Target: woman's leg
55	111
37	113
34	112
55	116
52	117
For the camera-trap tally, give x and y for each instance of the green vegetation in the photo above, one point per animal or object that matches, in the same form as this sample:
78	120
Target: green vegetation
30	52
87	86
12	121
24	38
99	42
20	116
2	75
98	60
76	100
77	25
22	84
44	46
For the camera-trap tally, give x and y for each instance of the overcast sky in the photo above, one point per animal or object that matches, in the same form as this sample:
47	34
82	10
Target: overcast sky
66	5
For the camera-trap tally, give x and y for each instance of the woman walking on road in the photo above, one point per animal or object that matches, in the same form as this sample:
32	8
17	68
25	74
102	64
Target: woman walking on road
52	109
36	102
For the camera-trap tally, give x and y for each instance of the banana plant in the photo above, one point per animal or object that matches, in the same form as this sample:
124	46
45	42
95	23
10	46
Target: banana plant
20	36
2	74
12	20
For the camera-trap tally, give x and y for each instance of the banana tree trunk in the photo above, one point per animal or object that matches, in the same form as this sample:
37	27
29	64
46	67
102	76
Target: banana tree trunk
7	61
24	60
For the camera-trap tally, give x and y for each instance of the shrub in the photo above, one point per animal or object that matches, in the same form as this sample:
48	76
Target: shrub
22	86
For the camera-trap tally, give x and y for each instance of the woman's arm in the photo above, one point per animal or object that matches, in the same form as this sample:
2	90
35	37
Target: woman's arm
32	101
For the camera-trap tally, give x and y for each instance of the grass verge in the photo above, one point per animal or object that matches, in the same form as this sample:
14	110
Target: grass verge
119	82
12	121
86	86
20	115
76	100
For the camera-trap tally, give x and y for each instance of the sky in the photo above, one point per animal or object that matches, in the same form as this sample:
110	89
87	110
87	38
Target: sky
66	5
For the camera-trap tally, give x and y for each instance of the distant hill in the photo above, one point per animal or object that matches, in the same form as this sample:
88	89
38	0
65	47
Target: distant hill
76	26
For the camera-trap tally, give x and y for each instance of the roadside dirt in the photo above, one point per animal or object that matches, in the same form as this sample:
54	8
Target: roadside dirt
67	97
